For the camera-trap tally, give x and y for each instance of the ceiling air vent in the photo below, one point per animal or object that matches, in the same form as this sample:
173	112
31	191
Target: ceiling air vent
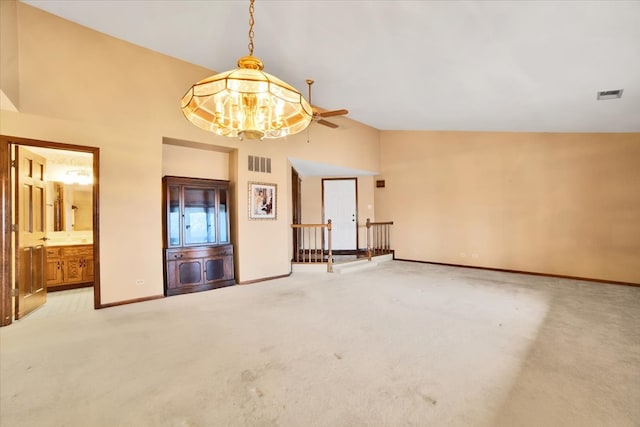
609	94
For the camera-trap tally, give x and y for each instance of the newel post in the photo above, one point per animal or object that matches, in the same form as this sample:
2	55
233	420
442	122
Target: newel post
330	260
368	240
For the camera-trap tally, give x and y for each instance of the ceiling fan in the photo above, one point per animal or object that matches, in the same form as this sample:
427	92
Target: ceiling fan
319	115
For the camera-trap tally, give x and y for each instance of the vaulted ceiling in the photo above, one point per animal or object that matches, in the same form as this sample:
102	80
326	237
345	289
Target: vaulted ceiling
411	65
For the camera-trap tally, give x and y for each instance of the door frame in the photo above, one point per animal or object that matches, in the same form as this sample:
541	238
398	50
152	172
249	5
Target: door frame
296	206
355	179
6	309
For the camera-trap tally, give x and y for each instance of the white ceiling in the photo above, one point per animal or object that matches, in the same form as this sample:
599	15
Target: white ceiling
311	168
411	65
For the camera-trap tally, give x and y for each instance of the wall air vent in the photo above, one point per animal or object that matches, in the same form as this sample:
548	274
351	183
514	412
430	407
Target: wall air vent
609	94
259	164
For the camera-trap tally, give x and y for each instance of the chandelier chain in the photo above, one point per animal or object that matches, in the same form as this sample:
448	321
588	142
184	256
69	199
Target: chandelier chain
251	22
246	103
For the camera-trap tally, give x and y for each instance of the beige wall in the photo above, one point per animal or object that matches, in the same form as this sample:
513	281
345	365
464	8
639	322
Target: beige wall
559	204
566	204
265	245
9	59
195	161
82	87
312	203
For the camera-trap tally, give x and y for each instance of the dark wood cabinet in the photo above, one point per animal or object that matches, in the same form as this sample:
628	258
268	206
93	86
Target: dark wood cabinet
69	266
198	269
198	254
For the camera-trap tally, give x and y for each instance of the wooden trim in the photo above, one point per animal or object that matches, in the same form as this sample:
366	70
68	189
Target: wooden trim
559	276
6	312
14	205
308	225
204	182
96	228
264	279
350	252
380	223
130	301
296	205
362	252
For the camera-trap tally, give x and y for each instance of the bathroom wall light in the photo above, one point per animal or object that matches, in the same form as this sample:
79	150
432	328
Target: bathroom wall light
78	176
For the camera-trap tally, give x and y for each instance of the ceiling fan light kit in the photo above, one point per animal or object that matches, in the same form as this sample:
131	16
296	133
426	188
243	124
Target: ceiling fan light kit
247	102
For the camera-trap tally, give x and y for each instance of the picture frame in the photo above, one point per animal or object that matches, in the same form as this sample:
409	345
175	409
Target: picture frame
262	200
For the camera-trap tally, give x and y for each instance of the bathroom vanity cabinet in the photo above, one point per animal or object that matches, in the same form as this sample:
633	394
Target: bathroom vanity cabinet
69	267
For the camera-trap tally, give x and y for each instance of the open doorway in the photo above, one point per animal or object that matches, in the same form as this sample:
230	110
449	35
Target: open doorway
49	223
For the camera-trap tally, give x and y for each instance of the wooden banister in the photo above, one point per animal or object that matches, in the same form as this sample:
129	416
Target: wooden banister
378	238
309	244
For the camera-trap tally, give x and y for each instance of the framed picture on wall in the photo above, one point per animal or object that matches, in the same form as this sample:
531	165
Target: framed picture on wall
262	200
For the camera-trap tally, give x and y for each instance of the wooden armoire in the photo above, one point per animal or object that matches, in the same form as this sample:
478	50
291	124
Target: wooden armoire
198	253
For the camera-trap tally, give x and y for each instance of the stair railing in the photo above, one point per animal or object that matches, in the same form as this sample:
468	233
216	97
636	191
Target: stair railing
309	244
378	238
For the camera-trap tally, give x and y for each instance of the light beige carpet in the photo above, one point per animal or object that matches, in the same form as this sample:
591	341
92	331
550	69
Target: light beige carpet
404	344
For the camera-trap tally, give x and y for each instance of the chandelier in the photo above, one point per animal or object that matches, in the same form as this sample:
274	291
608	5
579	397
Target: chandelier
247	102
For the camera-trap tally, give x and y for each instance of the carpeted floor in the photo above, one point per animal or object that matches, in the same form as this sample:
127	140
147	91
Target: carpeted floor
404	344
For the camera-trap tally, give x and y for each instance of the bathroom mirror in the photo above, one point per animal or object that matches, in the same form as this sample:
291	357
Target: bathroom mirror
57	222
69	207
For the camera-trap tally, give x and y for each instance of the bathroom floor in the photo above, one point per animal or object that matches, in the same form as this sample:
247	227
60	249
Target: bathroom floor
64	302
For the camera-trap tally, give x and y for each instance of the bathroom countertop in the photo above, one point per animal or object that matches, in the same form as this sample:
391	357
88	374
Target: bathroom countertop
50	244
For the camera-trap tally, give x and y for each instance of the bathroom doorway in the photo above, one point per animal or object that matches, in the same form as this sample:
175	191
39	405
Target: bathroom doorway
49	223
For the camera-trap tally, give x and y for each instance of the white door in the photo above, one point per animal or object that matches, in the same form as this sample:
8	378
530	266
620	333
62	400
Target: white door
339	201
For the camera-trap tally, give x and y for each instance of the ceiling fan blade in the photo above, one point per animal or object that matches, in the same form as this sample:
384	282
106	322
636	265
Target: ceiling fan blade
333	113
328	124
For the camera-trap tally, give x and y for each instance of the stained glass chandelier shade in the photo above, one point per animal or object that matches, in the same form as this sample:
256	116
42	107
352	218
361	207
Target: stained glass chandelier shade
247	102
